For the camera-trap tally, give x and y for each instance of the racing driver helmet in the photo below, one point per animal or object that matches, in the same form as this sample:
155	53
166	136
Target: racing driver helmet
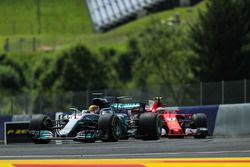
94	109
158	101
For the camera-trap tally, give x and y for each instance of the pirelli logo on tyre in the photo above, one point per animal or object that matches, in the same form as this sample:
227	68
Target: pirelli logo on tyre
16	132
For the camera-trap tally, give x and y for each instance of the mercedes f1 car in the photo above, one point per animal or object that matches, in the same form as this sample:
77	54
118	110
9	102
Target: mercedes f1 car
113	122
179	125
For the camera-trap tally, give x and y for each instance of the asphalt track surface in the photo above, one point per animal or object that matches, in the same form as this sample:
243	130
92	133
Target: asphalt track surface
163	148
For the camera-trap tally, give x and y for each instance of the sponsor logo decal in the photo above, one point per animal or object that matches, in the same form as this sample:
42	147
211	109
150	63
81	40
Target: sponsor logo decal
17	131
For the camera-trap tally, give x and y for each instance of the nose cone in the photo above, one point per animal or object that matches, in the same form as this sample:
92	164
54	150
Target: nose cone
176	131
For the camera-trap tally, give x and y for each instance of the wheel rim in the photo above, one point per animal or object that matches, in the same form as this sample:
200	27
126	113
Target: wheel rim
159	126
116	128
48	124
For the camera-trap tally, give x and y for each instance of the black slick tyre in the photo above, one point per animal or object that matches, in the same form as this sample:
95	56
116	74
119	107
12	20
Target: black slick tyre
150	126
40	122
110	128
199	120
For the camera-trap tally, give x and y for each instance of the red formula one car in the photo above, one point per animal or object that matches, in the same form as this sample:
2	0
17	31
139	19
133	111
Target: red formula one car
175	125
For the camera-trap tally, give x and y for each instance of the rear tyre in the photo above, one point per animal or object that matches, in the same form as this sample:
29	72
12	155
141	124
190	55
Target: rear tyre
40	122
124	127
124	134
199	121
150	126
110	128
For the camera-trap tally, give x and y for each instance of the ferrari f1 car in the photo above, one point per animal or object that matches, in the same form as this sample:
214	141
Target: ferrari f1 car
179	125
108	125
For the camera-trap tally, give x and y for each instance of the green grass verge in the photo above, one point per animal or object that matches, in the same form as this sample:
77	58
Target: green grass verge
74	27
20	17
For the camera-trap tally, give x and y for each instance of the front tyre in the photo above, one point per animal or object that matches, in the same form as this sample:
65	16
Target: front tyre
38	123
199	122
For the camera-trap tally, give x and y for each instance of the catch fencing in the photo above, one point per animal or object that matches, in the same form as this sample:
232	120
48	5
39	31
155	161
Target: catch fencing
224	92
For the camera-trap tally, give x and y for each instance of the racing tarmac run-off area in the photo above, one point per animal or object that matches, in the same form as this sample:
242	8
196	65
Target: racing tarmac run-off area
132	148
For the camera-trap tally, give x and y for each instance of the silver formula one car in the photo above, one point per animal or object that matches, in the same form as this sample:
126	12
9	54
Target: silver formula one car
106	125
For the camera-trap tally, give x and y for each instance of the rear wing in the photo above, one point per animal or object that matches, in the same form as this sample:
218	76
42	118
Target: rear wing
133	106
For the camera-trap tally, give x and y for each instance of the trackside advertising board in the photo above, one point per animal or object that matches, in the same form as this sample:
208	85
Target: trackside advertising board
16	132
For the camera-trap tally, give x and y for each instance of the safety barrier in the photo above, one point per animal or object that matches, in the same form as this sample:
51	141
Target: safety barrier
17	118
233	120
2	120
209	110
